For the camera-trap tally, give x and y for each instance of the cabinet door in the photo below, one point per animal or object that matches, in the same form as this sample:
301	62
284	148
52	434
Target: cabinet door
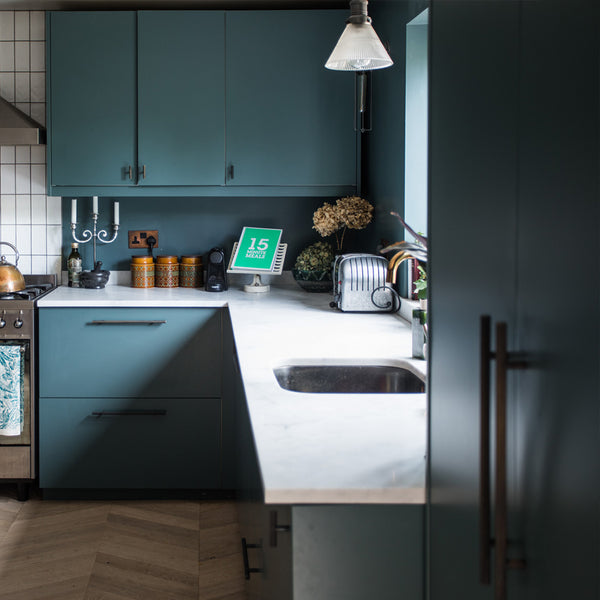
130	352
289	120
127	443
181	98
92	98
542	148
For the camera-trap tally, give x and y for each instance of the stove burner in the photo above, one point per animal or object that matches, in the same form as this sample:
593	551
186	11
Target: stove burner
29	293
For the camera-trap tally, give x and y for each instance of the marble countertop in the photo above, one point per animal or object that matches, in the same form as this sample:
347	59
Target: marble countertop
312	448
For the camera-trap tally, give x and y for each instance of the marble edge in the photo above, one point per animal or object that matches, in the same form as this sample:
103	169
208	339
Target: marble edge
415	495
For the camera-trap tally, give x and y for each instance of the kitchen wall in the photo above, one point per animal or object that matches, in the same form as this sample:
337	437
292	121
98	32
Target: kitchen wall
29	218
33	221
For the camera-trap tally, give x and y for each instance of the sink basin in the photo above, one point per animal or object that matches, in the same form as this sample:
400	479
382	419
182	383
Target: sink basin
348	379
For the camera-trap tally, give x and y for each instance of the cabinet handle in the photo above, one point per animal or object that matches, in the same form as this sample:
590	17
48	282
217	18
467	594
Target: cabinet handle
126	322
504	360
130	413
143	171
230	172
275	528
484	450
247	569
130	172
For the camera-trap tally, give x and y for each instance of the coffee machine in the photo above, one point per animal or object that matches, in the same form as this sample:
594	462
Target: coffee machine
216	278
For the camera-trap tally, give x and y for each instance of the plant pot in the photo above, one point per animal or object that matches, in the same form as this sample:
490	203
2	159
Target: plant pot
314	281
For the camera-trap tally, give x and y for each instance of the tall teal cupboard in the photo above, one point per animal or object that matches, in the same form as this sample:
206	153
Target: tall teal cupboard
515	88
133	100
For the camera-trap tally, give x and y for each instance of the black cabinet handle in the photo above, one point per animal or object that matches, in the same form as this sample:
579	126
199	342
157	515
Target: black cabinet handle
275	528
130	413
247	569
126	322
230	172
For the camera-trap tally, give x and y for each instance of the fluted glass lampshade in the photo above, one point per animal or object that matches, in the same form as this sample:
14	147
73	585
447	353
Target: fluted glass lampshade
359	49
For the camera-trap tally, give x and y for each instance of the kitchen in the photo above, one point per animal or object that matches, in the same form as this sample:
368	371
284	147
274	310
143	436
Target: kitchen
452	172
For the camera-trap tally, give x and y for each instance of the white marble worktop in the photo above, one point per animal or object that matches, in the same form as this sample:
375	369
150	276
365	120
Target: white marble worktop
312	448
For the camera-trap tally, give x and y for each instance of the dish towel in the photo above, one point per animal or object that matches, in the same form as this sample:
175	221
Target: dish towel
11	390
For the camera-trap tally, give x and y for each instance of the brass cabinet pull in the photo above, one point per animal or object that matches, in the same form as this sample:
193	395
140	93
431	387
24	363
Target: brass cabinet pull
127	322
484	451
130	172
504	361
143	171
130	413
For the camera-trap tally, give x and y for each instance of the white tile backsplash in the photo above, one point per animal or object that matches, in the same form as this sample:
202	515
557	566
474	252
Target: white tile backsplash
22	25
7	25
23	209
29	219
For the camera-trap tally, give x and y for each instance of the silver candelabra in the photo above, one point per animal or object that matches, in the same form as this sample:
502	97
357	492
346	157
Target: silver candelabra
94	235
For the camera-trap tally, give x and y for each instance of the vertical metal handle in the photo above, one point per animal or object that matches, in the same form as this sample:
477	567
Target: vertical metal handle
143	171
247	569
484	451
275	528
130	172
230	171
500	518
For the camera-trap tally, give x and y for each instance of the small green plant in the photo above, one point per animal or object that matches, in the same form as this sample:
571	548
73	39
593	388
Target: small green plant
421	284
316	257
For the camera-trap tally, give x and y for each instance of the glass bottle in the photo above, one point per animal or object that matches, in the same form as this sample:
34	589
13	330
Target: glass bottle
74	266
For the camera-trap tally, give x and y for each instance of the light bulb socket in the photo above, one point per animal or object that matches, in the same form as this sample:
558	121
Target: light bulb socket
358	12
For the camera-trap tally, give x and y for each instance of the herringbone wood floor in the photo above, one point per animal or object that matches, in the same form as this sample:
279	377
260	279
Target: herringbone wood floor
120	550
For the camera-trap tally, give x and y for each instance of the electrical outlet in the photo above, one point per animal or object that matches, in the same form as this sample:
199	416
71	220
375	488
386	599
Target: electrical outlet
139	238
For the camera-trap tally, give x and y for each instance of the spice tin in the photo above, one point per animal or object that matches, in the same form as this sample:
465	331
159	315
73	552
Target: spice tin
142	272
191	272
167	271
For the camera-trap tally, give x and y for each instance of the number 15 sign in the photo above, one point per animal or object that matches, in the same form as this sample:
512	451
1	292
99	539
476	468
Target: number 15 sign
256	249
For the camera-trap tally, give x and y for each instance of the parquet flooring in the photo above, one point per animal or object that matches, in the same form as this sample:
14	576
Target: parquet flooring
119	550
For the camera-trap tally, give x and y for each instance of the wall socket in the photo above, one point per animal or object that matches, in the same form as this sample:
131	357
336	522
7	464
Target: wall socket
139	238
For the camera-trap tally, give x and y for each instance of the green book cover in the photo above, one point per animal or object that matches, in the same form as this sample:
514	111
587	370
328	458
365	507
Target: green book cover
256	249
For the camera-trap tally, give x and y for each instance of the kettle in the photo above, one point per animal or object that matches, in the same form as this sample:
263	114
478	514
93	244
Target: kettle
11	279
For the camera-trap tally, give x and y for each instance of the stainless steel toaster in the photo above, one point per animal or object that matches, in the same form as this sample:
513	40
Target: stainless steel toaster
359	284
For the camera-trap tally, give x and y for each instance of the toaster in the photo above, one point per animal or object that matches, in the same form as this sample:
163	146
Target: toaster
359	284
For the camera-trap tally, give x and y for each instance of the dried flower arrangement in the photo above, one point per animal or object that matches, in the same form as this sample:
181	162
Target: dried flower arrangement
351	212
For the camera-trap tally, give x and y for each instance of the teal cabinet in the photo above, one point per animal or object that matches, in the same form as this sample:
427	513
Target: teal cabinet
91	98
132	100
130	352
129	443
198	103
130	398
289	120
181	96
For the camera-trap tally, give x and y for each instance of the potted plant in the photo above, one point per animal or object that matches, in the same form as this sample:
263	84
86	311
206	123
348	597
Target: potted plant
314	264
312	269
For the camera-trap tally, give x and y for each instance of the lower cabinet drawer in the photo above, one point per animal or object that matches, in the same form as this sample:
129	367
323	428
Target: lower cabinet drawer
130	443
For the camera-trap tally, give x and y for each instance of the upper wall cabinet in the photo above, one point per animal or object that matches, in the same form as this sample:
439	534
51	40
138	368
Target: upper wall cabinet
197	103
289	120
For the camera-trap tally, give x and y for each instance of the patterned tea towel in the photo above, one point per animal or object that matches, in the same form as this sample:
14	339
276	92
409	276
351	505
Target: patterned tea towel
11	390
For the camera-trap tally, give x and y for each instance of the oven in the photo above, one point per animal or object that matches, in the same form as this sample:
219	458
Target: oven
18	323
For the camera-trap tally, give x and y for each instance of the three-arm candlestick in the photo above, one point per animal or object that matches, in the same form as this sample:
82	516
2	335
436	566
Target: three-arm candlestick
87	235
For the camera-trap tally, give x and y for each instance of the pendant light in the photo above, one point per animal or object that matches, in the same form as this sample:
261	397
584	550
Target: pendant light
359	48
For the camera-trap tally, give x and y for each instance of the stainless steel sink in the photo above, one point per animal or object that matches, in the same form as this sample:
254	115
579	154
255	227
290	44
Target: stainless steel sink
348	379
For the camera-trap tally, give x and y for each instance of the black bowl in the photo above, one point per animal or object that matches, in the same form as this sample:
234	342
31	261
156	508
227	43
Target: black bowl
95	279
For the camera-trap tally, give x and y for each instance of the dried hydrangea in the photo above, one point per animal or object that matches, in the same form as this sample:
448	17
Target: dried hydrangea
354	212
317	257
351	212
327	219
